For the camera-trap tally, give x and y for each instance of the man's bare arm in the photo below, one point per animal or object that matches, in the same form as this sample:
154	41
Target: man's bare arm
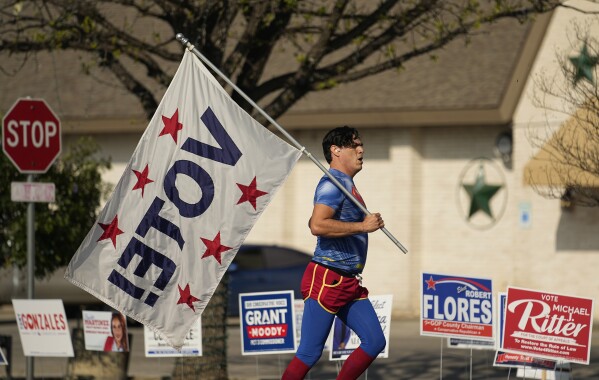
322	223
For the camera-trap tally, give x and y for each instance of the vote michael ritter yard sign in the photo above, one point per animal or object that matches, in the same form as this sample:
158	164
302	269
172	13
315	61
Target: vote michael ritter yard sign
31	135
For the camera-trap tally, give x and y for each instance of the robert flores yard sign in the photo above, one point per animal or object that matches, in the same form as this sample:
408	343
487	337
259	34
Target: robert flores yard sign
31	136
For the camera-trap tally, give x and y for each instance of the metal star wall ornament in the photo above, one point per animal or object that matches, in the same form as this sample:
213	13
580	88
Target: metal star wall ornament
584	65
480	194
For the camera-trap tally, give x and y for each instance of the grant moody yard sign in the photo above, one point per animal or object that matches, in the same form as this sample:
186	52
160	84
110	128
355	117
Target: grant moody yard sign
548	325
267	323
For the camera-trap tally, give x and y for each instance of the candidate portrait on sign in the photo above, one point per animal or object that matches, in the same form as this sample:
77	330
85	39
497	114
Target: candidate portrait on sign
117	340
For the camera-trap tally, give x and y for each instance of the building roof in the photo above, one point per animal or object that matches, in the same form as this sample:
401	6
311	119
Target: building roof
469	84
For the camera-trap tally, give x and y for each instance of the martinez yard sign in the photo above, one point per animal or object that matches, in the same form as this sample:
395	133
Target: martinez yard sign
31	136
456	306
548	325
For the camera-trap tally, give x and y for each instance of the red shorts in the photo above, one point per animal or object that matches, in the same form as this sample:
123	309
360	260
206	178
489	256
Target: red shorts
330	289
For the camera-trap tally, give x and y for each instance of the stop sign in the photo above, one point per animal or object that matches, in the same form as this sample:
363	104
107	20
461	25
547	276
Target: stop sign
31	135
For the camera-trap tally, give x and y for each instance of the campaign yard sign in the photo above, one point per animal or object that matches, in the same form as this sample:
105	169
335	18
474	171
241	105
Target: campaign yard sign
298	306
105	331
471	344
456	306
43	328
510	359
548	325
267	323
96	328
344	340
156	346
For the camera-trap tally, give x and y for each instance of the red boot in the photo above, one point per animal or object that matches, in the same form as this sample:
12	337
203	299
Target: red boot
296	370
355	365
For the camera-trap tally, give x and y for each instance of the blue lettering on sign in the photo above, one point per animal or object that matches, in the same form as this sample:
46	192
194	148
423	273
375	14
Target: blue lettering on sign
200	176
152	219
228	154
149	256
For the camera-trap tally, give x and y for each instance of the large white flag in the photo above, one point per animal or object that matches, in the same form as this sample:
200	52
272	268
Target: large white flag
198	180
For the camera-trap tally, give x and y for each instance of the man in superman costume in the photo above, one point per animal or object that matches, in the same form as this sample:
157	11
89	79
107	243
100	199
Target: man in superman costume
332	284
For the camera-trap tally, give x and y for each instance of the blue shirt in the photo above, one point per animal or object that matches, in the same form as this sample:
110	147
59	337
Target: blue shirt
347	253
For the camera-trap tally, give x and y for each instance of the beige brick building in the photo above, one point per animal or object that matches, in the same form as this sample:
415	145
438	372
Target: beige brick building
427	131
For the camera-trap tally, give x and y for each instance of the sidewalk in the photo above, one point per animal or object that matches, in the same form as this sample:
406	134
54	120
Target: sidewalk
411	356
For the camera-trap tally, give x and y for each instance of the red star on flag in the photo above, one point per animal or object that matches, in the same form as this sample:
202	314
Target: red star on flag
250	193
186	297
214	248
111	231
430	283
142	180
171	125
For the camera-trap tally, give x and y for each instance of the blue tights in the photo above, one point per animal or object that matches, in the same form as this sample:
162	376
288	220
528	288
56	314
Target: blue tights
316	325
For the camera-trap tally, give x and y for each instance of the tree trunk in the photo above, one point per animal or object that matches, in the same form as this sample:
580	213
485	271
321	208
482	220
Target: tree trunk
213	362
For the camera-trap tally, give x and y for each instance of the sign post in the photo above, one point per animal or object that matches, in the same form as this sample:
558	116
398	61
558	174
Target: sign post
31	140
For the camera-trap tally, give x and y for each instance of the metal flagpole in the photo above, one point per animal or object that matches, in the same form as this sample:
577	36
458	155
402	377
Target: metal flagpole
181	38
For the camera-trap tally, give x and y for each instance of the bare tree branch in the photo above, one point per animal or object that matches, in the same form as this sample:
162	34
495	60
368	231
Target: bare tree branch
569	154
333	42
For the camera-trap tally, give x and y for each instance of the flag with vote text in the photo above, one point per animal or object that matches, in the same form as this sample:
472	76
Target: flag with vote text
201	175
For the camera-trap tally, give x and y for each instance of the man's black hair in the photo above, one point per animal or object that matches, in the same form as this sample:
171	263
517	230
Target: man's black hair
341	136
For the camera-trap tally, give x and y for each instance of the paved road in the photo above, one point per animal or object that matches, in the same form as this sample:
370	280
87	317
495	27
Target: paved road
411	356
